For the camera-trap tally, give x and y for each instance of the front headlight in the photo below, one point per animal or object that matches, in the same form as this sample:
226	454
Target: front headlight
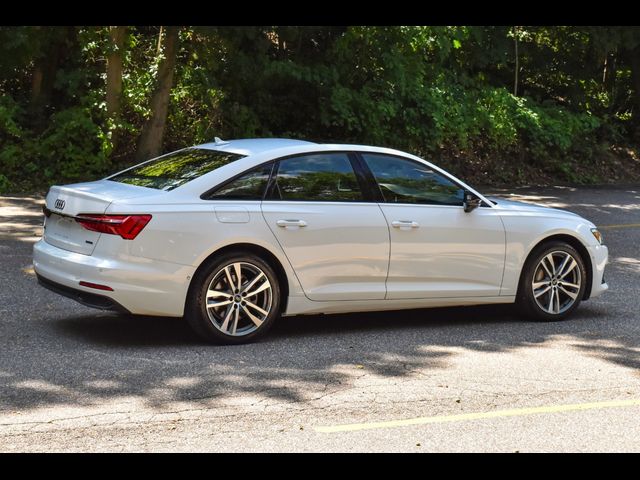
597	234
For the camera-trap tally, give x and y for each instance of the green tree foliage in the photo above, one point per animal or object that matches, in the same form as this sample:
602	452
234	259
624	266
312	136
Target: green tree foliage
444	92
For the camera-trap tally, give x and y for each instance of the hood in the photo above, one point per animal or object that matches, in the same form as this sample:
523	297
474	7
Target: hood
512	205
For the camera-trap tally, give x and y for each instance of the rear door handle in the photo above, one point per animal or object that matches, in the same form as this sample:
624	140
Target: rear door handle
291	223
404	224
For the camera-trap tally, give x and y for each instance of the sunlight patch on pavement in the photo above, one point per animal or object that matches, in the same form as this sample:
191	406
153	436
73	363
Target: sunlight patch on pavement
41	386
103	384
20	211
28	270
182	382
21	237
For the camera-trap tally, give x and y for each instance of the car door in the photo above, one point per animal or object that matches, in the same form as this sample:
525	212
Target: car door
437	249
334	236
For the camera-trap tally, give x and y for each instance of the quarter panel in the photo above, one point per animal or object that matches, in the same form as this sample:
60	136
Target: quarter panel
142	286
188	233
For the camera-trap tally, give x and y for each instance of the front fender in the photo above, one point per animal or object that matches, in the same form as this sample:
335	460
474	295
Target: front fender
524	233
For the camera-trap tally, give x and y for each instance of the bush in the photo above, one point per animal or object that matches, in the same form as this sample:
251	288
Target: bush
5	184
71	148
549	131
12	137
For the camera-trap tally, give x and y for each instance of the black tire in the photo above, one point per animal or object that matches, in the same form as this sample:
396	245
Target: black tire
204	323
526	301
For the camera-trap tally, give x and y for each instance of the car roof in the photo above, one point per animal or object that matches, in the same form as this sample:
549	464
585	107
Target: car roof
257	151
253	146
257	147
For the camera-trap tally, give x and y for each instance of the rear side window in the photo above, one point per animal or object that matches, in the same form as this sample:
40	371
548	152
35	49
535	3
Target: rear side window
249	186
405	181
324	177
171	171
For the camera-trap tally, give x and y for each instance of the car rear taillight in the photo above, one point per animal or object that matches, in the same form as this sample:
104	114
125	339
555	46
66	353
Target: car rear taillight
127	226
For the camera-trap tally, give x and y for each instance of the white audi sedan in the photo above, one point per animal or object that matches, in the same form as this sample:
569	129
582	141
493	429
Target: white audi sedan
233	234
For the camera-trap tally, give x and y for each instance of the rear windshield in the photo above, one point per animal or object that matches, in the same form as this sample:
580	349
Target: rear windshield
175	169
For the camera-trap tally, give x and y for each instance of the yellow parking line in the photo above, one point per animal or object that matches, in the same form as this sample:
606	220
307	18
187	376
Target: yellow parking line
515	412
622	225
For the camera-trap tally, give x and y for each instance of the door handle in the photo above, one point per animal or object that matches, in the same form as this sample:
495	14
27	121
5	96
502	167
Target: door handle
404	224
291	223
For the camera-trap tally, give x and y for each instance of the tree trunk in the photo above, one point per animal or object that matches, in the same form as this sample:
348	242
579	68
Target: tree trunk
114	71
634	60
609	80
36	79
114	79
515	82
150	142
159	46
36	84
44	73
54	48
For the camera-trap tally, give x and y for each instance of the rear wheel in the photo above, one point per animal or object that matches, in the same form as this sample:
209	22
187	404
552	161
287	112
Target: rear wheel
235	299
553	282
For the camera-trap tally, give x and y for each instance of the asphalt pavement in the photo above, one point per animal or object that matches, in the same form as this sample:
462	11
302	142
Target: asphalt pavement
457	379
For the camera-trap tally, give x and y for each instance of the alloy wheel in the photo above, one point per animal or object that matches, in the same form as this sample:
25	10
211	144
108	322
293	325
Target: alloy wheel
556	282
238	299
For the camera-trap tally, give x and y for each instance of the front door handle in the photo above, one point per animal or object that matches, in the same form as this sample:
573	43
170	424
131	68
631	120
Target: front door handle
404	224
291	223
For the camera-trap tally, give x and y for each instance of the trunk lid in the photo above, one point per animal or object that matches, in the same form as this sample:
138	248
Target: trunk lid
65	202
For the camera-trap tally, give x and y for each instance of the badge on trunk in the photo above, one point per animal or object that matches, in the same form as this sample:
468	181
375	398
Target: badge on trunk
59	205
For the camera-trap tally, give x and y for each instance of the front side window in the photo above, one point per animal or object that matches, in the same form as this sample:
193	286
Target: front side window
405	181
249	186
175	169
322	177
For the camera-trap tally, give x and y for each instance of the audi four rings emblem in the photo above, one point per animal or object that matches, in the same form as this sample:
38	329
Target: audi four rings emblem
59	205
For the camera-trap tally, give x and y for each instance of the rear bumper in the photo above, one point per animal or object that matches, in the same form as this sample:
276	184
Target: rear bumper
140	285
599	258
92	300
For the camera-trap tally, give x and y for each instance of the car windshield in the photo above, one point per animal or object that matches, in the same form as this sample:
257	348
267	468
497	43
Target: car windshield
175	169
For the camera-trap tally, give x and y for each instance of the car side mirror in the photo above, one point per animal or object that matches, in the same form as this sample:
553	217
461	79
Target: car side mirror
471	202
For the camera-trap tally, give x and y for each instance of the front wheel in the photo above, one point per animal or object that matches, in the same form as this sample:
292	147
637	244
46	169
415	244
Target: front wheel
553	282
235	299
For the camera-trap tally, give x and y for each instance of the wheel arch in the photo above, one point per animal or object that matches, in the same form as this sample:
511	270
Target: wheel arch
575	243
262	252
